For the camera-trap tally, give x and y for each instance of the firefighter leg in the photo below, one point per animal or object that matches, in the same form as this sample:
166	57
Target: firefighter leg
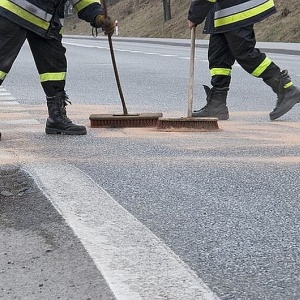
50	60
242	43
220	64
12	38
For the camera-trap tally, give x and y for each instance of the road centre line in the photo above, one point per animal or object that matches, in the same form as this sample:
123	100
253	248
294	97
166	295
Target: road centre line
134	262
141	52
129	51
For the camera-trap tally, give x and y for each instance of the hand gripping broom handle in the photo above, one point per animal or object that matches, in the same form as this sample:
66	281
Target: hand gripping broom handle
192	72
114	63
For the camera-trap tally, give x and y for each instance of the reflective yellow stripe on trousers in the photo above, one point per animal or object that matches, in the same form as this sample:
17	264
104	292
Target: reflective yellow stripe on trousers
2	75
220	71
52	76
262	67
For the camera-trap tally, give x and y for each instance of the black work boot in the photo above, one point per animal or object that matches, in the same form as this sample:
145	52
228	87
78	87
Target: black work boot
58	122
287	94
216	104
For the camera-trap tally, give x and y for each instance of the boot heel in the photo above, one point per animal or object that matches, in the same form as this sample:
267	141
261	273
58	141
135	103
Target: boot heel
52	131
223	116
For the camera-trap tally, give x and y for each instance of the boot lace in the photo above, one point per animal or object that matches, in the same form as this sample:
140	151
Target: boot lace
209	95
65	102
281	92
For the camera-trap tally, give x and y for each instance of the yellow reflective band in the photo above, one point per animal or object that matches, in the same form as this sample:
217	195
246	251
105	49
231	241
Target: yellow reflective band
262	67
83	4
289	84
2	75
220	71
24	14
52	76
244	15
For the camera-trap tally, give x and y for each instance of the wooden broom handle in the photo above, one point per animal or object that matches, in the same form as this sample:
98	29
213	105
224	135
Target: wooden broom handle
112	54
192	72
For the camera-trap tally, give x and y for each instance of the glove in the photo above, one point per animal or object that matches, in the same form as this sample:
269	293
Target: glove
105	23
191	24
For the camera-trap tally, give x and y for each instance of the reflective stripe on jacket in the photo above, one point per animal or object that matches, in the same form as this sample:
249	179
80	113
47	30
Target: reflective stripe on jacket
227	15
46	17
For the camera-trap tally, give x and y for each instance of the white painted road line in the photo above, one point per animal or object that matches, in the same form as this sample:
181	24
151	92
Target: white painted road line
134	262
9	103
21	122
125	50
7	98
4	94
141	52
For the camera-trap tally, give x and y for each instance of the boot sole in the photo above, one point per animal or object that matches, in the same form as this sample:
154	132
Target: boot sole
220	117
66	132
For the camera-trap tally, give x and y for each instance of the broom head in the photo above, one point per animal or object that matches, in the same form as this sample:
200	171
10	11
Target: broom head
124	120
188	124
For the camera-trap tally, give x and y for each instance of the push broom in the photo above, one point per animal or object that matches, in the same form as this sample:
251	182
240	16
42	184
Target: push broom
125	119
189	123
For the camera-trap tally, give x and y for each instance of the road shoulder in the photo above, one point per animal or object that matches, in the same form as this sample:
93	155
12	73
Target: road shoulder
40	257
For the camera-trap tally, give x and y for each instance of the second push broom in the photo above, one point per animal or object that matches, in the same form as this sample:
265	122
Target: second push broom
125	119
189	123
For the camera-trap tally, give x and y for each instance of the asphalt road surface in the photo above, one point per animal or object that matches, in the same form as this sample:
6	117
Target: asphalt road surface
142	214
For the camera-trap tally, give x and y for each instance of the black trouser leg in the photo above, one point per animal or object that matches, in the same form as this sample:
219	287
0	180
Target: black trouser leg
220	64
12	38
220	61
242	45
50	60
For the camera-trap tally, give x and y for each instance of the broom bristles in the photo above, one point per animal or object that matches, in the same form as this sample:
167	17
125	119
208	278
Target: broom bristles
188	124
121	121
154	120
